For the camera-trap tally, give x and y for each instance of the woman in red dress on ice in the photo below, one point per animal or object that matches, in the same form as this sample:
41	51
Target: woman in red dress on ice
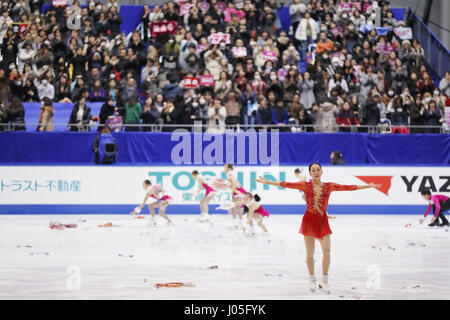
315	220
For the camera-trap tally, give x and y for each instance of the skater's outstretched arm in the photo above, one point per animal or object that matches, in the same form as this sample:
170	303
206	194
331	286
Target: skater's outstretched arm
139	208
340	187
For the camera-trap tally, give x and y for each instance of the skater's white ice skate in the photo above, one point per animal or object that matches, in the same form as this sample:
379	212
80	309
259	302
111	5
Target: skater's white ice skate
324	285
312	283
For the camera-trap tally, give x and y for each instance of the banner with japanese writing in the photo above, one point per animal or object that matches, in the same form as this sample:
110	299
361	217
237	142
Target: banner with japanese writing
385	48
59	3
216	38
206	80
19	27
239	52
270	55
403	33
73	186
191	82
163	28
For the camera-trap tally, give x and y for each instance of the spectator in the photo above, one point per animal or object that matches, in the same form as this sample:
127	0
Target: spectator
216	117
326	117
105	147
306	33
396	112
336	158
16	115
62	89
45	89
46	116
371	112
233	108
97	93
303	121
3	118
417	116
280	115
172	89
306	86
80	117
107	111
346	119
150	114
133	113
432	117
444	84
263	114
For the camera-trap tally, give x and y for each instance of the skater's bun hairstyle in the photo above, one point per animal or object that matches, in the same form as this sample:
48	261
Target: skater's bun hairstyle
147	182
256	197
314	163
195	172
230	166
425	191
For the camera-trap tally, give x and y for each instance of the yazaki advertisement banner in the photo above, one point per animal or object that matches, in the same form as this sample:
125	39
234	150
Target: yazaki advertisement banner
112	187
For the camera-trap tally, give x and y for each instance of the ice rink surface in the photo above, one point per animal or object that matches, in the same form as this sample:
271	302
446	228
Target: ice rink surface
372	257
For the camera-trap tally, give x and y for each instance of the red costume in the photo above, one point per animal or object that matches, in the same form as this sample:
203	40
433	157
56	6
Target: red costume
315	220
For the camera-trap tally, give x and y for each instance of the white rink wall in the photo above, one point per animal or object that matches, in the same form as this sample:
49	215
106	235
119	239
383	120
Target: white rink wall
115	189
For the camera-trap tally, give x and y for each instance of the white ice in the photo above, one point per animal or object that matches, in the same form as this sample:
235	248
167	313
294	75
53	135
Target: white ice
266	266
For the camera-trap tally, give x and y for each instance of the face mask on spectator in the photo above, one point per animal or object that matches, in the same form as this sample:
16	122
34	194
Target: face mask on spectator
171	41
325	56
436	93
273	77
351	27
202	101
390	93
12	67
257	77
44	82
345	16
194	104
223	46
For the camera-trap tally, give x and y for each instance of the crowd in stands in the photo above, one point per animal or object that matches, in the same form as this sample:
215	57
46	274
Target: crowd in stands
357	72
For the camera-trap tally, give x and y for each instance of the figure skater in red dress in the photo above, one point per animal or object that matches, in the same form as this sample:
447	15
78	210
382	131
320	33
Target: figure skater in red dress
315	222
210	193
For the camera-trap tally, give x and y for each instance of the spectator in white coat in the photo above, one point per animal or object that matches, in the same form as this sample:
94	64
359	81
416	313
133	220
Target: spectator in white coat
306	33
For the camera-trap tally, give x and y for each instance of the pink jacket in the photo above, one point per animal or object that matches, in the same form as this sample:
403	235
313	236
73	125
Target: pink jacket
435	199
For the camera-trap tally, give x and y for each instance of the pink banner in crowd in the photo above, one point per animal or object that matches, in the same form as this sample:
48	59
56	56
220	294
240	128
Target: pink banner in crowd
59	3
163	28
447	116
185	9
216	38
385	48
202	47
206	80
270	55
191	82
239	52
403	33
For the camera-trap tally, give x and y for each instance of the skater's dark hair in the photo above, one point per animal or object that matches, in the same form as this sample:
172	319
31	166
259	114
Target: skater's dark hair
230	166
147	182
309	169
425	191
297	170
194	172
256	197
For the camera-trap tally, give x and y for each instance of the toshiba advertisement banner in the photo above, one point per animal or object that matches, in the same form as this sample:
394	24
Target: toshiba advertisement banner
116	189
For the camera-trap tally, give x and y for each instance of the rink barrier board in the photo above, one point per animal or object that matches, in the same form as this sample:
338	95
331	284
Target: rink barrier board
31	209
